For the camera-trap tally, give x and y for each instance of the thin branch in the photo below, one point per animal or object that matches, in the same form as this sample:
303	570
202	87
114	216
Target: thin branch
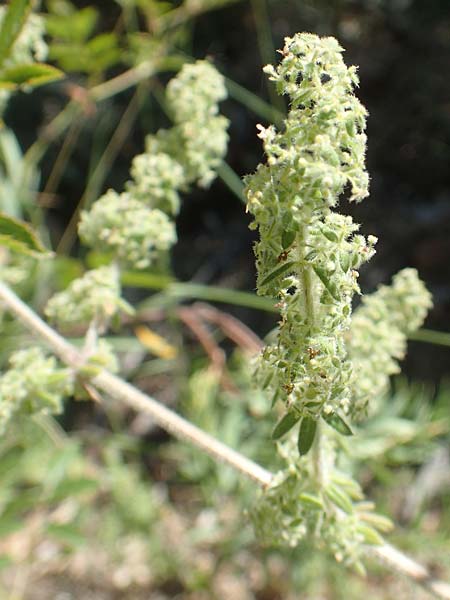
397	561
120	390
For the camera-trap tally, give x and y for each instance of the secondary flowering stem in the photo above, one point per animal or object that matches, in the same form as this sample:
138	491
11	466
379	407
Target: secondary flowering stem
180	428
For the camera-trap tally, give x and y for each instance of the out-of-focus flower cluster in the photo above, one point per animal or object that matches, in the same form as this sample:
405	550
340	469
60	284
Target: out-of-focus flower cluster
135	226
198	140
123	226
378	335
333	514
95	297
34	383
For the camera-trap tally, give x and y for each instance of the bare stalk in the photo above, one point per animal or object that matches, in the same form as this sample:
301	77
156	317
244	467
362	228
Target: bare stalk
120	390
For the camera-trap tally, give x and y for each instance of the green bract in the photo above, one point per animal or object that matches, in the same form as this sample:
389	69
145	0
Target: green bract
33	384
308	255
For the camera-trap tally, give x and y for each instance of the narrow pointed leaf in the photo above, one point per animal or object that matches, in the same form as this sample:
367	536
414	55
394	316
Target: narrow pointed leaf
19	236
277	272
338	423
287	238
329	285
339	498
285	425
11	26
306	435
371	536
311	500
29	75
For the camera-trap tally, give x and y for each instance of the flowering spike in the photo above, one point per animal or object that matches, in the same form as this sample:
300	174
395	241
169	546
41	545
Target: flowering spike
308	255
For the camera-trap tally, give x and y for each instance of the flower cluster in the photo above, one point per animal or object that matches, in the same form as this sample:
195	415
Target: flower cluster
135	226
135	234
331	513
378	335
198	140
33	384
157	177
95	297
308	255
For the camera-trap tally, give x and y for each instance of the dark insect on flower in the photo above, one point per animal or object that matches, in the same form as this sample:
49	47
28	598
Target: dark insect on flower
312	353
283	256
288	387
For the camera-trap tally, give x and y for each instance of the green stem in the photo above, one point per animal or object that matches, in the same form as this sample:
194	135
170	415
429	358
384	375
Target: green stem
266	46
306	278
232	180
317	457
254	103
441	338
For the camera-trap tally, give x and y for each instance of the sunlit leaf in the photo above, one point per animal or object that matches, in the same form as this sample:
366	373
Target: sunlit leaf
19	236
11	25
32	74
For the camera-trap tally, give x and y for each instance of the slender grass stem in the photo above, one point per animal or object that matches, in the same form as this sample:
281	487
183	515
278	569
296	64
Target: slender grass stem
429	336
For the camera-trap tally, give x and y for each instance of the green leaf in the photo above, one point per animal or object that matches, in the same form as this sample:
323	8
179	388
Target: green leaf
5	561
306	435
370	535
329	285
287	238
19	236
338	423
311	500
32	74
73	487
11	25
345	262
378	521
67	534
339	498
277	272
103	51
74	28
330	235
285	425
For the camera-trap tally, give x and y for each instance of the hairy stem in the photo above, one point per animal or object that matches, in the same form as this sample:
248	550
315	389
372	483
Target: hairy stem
305	277
124	392
317	457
